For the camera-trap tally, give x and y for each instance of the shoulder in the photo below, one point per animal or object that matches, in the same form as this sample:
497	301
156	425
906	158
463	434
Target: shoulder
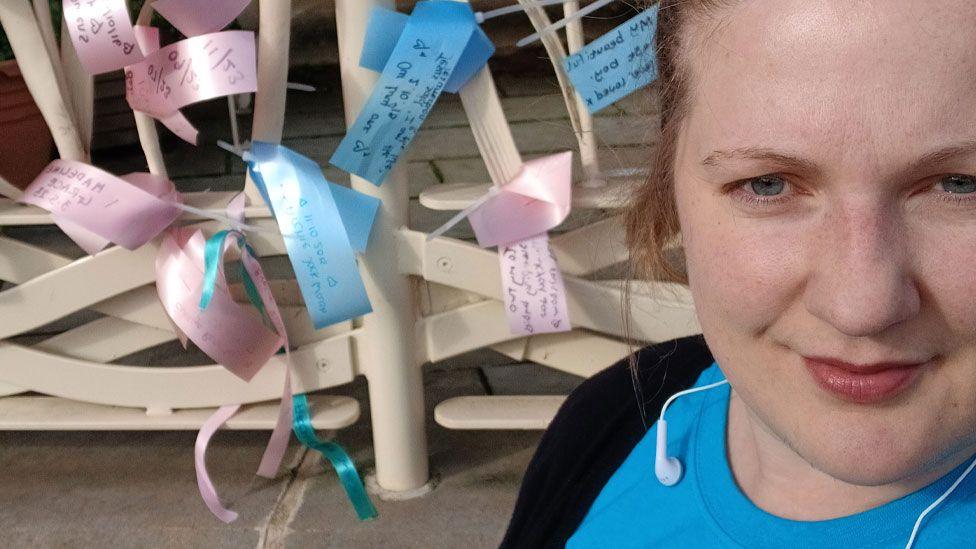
592	434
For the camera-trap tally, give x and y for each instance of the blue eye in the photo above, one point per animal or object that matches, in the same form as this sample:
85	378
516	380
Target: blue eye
958	184
767	185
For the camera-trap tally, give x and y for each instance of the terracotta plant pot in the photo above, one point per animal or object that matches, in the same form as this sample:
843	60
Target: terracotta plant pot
25	141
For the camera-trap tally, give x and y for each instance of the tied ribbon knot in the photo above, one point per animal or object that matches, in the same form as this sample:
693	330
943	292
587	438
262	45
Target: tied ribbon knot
538	199
96	208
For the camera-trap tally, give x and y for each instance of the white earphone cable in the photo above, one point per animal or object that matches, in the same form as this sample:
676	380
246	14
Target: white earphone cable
688	392
918	521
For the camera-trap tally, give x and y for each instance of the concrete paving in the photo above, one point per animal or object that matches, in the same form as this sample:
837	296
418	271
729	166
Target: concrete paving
137	489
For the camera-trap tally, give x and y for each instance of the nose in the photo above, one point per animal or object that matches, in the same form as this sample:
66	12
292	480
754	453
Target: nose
861	279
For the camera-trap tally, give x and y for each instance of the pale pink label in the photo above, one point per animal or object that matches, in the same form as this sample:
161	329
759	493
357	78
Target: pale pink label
192	17
80	196
532	288
229	333
102	34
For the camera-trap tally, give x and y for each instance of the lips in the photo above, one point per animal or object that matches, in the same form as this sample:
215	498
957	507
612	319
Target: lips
863	383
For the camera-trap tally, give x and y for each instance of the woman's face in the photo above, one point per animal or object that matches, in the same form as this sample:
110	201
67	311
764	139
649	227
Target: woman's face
826	192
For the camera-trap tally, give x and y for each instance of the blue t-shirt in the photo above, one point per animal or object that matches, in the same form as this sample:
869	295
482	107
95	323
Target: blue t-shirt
707	509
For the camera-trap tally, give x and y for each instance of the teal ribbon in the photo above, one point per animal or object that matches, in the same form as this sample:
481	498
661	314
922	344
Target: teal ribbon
341	461
302	425
212	258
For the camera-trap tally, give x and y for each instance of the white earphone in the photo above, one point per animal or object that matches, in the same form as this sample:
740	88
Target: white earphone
668	469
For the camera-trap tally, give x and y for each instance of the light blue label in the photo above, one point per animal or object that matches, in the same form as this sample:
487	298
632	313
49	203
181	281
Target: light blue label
616	64
384	30
423	62
321	232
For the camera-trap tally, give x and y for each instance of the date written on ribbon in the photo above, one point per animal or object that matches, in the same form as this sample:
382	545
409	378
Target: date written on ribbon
193	70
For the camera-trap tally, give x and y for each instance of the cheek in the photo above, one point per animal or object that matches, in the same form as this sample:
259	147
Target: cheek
741	272
946	267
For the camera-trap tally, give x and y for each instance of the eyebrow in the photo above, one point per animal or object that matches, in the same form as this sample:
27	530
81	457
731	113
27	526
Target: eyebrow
946	153
790	161
763	154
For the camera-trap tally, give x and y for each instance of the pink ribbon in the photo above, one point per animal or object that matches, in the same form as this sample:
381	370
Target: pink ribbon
148	38
206	486
102	34
180	283
536	200
95	208
192	19
190	71
516	218
232	335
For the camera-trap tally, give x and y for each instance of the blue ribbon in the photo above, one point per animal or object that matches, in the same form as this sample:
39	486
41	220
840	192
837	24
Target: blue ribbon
212	259
302	421
616	64
439	48
336	455
323	225
386	26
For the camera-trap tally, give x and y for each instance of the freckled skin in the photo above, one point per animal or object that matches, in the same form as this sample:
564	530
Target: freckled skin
864	262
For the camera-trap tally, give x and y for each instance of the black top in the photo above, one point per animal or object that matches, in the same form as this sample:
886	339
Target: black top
591	436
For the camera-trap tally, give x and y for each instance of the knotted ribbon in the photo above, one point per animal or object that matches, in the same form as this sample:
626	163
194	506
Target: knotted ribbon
538	199
96	208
